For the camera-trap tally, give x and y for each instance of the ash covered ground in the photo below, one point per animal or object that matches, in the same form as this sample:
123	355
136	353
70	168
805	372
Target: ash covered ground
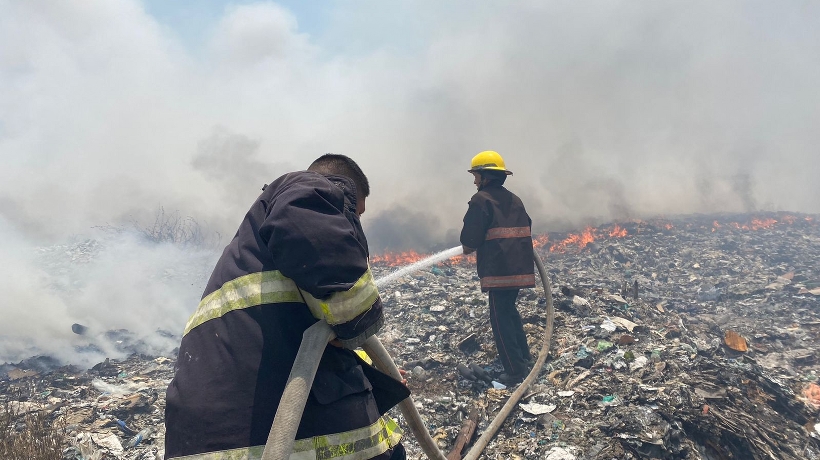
687	338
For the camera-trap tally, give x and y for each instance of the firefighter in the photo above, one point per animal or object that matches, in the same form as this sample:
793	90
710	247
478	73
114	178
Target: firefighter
299	255
498	229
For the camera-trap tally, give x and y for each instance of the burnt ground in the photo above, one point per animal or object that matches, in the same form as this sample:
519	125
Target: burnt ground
716	357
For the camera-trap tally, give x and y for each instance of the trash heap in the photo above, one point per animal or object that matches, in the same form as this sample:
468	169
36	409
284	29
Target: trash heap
686	338
693	338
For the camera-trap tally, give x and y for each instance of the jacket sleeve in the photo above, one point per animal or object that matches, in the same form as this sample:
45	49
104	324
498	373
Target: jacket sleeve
475	225
313	242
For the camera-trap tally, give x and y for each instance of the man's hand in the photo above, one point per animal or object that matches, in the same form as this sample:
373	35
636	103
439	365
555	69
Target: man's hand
467	250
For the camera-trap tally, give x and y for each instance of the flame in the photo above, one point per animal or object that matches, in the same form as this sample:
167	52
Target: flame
580	239
540	240
584	238
618	232
758	224
462	258
398	259
393	259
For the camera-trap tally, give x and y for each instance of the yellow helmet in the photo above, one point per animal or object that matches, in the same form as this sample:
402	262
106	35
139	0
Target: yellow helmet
488	161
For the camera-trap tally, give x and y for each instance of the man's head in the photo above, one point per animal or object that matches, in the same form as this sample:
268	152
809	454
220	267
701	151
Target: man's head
340	165
485	178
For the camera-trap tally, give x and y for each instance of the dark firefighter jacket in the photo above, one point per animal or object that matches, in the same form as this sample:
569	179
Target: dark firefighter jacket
299	254
498	227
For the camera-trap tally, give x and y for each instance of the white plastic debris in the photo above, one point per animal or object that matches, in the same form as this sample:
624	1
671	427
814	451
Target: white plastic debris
499	385
579	301
438	308
537	409
419	373
616	298
639	362
566	394
608	325
115	390
559	453
624	323
86	447
108	441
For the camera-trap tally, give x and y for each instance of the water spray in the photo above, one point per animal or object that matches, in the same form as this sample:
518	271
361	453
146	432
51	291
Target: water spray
416	266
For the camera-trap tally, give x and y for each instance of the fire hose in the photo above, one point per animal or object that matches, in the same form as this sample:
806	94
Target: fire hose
282	435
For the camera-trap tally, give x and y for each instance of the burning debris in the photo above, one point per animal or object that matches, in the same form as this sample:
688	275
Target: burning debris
685	338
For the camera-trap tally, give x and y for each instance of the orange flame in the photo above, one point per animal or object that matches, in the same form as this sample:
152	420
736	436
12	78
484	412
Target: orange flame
617	232
397	258
789	219
580	239
540	240
669	226
758	224
462	258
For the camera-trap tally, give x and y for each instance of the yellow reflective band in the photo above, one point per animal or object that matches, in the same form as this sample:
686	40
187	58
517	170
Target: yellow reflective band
359	444
244	453
245	292
365	357
342	307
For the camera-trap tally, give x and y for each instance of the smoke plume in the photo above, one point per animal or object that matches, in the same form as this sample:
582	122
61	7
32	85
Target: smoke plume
616	110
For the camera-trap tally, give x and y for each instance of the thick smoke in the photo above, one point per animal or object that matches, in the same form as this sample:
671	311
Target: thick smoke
619	110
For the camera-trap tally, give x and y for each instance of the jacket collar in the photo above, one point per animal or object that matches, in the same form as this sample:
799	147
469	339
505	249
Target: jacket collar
347	186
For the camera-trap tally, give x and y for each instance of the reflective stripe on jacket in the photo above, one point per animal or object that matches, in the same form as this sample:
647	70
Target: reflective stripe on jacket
274	287
358	444
498	227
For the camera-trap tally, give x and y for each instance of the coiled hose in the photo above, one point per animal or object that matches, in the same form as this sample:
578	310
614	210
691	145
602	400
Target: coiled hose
283	431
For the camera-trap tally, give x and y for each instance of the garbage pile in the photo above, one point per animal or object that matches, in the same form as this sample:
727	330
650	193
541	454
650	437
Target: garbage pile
686	338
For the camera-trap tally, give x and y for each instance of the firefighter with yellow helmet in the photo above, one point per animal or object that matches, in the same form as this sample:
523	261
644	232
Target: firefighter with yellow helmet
499	230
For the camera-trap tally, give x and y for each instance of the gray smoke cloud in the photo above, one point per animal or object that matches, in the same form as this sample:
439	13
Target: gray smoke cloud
604	111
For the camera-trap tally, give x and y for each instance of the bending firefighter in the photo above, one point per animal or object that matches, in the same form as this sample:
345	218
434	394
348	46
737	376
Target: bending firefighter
299	255
498	229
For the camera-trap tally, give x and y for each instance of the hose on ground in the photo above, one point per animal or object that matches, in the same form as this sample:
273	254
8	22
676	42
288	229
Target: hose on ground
314	340
382	360
499	419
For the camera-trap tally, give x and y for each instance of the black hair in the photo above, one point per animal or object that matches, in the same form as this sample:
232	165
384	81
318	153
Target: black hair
497	177
332	163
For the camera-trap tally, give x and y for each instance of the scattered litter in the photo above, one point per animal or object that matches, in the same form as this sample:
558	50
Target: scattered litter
657	377
537	409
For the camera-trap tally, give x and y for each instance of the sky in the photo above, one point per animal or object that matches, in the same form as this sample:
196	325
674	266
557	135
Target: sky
112	111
